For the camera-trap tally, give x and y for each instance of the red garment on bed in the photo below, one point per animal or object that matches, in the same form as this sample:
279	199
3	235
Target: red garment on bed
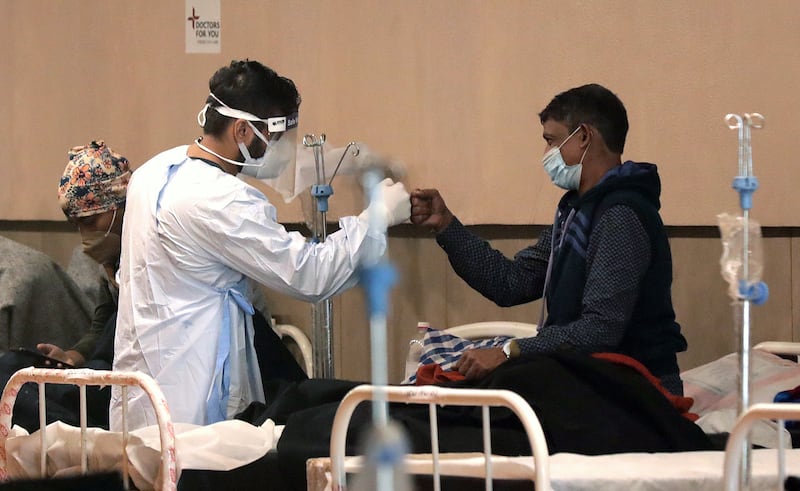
432	374
681	403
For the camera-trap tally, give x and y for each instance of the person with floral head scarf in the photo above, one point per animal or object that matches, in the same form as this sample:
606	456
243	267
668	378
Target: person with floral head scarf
91	193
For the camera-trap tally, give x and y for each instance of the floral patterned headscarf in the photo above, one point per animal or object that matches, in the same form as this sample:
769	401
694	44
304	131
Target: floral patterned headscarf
94	181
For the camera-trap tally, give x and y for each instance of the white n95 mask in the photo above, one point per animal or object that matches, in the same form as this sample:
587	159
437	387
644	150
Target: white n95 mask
564	176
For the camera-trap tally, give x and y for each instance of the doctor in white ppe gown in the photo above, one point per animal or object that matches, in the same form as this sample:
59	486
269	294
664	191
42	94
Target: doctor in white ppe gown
193	232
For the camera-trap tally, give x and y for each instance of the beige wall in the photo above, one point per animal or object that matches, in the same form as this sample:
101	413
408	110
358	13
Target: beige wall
429	290
451	88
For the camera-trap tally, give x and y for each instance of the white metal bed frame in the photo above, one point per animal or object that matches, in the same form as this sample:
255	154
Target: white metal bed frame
487	329
83	377
728	475
432	395
302	341
779	347
738	437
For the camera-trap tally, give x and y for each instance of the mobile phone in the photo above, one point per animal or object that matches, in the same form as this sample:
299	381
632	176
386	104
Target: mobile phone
39	360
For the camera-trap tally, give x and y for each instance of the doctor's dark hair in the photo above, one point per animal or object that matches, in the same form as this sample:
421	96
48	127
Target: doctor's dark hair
594	105
249	86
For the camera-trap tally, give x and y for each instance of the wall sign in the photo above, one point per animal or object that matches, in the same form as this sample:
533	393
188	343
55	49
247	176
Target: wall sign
203	26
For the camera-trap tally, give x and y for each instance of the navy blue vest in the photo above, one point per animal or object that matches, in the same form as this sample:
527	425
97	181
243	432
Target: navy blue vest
652	335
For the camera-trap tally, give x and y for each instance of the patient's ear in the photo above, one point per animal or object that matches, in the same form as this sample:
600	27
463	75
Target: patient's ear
586	135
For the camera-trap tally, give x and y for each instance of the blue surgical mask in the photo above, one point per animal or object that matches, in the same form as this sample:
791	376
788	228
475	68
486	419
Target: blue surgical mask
564	176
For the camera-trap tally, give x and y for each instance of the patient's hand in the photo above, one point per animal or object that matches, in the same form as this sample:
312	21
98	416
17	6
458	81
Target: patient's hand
72	357
478	363
429	210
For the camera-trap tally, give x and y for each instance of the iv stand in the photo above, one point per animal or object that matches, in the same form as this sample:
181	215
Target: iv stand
386	443
322	312
745	183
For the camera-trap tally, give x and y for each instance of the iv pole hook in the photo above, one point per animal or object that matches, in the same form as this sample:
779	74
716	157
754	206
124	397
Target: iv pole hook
356	151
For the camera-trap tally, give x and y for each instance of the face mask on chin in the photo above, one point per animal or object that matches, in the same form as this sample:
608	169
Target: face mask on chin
257	146
248	151
272	162
280	153
565	176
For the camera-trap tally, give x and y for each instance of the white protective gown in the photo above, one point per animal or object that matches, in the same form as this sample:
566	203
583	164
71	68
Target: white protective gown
191	234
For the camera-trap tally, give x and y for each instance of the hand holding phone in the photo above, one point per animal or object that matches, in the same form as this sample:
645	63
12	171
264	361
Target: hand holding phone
39	360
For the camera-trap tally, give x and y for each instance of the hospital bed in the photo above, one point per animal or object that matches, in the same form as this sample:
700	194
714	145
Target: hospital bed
433	396
145	455
705	470
563	471
168	473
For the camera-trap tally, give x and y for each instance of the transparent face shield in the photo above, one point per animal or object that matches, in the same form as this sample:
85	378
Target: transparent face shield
281	146
281	154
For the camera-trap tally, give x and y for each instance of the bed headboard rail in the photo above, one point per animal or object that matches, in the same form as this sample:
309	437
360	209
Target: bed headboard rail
83	377
433	395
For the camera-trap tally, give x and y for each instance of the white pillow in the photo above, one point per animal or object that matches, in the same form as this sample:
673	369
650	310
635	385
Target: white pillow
715	386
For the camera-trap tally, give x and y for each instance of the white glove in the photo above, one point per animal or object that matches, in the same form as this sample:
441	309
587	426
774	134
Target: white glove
394	207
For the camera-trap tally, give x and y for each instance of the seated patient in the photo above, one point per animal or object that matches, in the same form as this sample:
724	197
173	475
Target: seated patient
604	268
91	193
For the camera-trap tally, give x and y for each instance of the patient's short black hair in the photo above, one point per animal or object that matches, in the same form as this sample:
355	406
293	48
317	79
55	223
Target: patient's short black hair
591	104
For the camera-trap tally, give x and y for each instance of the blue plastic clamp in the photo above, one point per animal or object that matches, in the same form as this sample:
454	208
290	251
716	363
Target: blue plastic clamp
745	186
321	192
755	292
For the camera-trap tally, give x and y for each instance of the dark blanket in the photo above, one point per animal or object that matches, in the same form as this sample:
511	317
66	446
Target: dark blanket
585	406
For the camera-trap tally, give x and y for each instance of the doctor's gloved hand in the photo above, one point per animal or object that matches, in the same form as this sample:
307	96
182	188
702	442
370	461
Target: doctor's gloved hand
429	210
395	204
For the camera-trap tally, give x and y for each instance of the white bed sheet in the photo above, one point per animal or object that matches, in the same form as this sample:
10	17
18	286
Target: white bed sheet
221	446
679	471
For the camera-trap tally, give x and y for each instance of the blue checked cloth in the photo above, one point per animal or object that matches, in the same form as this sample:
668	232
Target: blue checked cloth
445	349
